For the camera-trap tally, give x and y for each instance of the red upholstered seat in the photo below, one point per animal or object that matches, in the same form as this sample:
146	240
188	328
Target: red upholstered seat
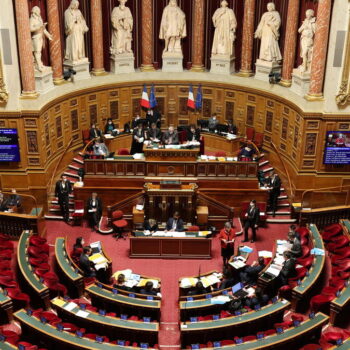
35	252
270	332
332	337
49	315
301	273
78	207
249	338
297	317
344	264
6	254
86	136
334	228
284	325
56	287
193	229
303	231
250	133
8	282
337	283
120	223
320	300
123	152
88	281
11	336
6	245
16	294
285	291
7	273
224	314
38	261
182	136
342	275
305	251
117	214
227	342
331	232
37	240
220	154
304	241
306	262
28	346
338	243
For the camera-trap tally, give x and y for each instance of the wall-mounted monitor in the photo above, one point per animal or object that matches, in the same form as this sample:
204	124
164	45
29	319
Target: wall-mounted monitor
9	147
337	149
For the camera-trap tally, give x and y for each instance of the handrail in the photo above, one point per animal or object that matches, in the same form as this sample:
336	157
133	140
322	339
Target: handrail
58	163
217	204
255	146
88	144
26	195
285	169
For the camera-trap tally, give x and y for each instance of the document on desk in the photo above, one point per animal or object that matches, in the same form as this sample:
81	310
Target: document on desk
265	254
220	300
274	270
188	282
237	264
179	234
82	313
58	302
98	259
143	282
70	306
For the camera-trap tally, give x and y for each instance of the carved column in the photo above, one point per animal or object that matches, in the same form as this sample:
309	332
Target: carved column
319	56
198	37
97	38
290	42
147	36
247	40
25	49
55	44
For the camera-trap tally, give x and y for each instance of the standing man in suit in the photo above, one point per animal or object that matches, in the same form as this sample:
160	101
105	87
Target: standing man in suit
212	123
138	139
275	191
85	264
94	211
171	137
94	131
252	220
296	249
62	191
153	116
14	201
288	268
175	224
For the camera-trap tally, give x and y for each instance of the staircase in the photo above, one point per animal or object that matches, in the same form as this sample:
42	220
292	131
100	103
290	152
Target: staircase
283	213
54	212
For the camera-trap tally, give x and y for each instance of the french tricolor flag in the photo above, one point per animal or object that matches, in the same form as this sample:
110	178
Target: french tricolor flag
190	101
144	98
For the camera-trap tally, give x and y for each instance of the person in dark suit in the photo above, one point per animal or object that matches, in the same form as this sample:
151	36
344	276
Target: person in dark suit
153	133
120	283
250	274
288	269
109	127
138	139
296	249
171	137
94	132
275	191
227	280
136	122
151	225
193	134
62	191
153	116
213	123
247	153
148	289
13	202
259	298
85	264
2	202
77	250
231	128
251	220
198	289
94	209
175	223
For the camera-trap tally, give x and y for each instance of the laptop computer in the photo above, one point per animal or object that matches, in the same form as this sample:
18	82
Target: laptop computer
237	290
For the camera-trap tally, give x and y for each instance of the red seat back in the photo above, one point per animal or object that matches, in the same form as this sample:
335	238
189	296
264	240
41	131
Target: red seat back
123	152
250	133
259	139
86	136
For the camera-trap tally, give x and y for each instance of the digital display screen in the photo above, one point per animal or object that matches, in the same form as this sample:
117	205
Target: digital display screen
9	148
337	150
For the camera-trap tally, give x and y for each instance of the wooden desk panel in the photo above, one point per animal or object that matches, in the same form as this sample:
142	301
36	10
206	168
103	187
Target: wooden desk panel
214	142
167	155
170	247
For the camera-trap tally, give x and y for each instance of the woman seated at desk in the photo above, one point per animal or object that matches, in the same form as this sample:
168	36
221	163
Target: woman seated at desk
77	249
151	225
110	128
100	148
193	134
148	289
120	283
247	153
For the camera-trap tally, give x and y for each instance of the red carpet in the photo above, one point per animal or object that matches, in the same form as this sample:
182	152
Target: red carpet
169	271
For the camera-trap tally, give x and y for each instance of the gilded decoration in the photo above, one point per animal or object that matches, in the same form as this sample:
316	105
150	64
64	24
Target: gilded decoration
4	96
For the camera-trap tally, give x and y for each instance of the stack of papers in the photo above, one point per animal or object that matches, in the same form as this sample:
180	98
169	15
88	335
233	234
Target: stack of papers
246	249
188	282
210	280
131	279
70	306
82	313
220	300
138	156
237	264
317	251
143	282
274	270
265	254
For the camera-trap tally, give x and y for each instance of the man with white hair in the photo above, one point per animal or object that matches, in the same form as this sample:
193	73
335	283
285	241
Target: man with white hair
171	137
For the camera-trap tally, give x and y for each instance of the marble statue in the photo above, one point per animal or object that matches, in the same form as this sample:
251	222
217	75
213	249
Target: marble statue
75	28
172	27
268	32
307	31
39	34
225	24
122	23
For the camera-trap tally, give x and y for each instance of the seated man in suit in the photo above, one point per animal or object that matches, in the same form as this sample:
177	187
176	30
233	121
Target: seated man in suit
175	224
250	274
227	280
151	225
171	137
94	209
288	269
153	133
13	202
193	134
213	122
85	264
247	153
296	250
148	289
100	148
231	128
259	298
94	131
198	289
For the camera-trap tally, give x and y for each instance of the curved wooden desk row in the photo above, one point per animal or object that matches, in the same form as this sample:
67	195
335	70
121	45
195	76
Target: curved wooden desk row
291	338
27	271
7	346
63	340
112	327
6	306
344	346
225	328
339	303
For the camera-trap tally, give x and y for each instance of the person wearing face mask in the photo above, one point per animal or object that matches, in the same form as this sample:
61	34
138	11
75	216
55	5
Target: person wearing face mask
62	191
193	134
109	128
94	210
213	122
138	139
251	221
94	132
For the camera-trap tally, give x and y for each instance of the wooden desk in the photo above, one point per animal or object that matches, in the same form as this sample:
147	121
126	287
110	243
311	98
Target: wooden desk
171	154
27	271
291	338
8	346
170	247
59	340
344	346
214	142
225	328
6	307
112	327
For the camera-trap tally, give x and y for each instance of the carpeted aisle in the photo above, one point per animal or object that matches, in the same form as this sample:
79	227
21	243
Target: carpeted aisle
169	271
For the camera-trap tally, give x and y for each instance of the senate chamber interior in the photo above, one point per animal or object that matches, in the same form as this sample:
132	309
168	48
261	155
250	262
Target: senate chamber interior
174	174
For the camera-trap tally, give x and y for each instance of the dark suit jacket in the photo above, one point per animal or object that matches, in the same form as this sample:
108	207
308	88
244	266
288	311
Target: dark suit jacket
179	225
276	186
288	269
95	133
108	126
252	273
296	248
253	216
148	292
98	206
153	118
61	192
175	136
85	265
154	133
197	135
148	227
13	201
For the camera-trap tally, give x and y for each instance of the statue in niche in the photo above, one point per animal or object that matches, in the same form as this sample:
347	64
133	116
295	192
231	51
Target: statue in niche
307	31
225	24
75	28
268	32
39	34
122	23
172	27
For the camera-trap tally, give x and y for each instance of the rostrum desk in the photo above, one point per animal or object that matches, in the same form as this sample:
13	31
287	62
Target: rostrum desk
188	247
